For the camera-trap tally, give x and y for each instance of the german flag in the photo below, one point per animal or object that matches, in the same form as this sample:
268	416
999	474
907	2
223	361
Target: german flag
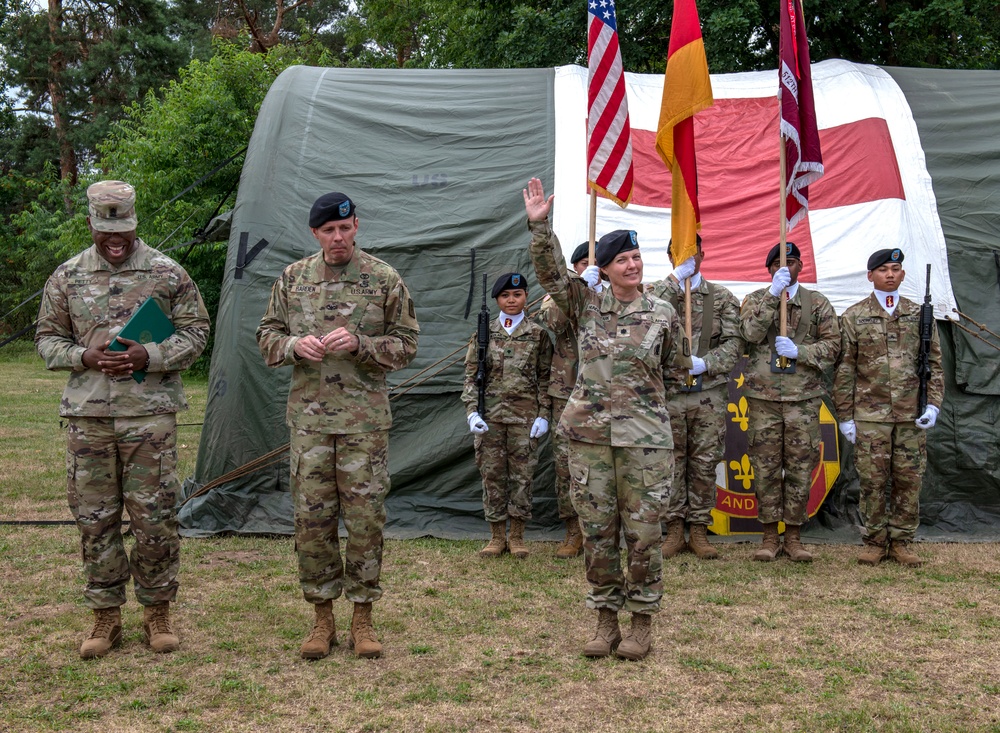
687	90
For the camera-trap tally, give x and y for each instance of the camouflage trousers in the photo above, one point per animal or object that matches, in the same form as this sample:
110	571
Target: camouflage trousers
890	509
506	457
783	438
130	463
698	423
621	490
560	460
337	477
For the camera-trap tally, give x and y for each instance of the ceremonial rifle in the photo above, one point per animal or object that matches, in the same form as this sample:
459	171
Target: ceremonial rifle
482	349
924	355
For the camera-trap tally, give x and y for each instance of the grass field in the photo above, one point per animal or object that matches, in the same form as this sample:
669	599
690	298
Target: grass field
481	646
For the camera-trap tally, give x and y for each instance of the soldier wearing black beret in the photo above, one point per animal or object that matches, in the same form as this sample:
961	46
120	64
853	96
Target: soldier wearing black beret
517	413
783	430
342	319
875	392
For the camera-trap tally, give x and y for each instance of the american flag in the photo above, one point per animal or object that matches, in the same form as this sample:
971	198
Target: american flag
609	136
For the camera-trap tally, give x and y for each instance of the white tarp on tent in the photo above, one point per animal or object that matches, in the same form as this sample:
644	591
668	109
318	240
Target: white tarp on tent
876	192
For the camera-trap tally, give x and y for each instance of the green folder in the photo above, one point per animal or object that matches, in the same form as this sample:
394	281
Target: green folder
148	325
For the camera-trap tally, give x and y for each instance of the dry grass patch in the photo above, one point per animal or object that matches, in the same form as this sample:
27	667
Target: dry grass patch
473	645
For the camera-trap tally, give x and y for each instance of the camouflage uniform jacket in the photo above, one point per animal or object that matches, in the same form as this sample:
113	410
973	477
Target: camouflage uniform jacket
876	378
517	375
564	348
725	345
818	347
626	350
87	301
344	393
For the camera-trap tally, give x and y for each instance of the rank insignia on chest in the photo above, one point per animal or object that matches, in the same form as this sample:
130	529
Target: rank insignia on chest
508	352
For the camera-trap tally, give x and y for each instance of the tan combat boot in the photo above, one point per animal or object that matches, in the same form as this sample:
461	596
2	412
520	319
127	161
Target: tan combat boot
873	554
323	634
516	543
699	543
159	632
106	634
900	551
639	640
793	544
572	546
674	543
498	542
607	637
363	640
769	543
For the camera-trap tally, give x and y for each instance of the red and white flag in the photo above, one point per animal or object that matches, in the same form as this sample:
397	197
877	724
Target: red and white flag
803	158
609	137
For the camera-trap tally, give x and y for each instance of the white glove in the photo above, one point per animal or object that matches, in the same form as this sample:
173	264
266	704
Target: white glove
927	420
850	430
592	276
476	424
697	366
786	347
539	428
684	270
781	280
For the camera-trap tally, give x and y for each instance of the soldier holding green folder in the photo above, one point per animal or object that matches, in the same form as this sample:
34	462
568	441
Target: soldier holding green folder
121	406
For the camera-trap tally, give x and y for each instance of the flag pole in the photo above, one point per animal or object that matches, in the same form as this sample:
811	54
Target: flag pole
783	236
593	227
687	326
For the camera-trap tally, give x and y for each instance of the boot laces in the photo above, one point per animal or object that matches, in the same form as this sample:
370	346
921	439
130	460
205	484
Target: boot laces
159	623
102	626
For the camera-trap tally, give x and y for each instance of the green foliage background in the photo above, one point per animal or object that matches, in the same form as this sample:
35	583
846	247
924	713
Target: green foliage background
160	93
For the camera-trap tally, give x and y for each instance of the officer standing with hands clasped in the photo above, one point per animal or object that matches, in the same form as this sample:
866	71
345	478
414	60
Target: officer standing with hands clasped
342	320
784	402
517	411
876	394
616	421
562	379
697	400
122	435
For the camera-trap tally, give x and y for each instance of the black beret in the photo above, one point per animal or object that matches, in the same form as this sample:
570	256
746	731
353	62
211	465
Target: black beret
330	207
790	251
580	253
608	246
509	281
885	255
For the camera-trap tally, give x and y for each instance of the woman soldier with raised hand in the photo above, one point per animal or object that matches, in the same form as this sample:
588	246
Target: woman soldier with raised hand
616	421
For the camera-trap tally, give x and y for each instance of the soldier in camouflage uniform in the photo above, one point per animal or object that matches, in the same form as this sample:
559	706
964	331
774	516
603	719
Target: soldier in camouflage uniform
875	391
616	421
783	431
518	408
561	381
122	431
342	320
697	400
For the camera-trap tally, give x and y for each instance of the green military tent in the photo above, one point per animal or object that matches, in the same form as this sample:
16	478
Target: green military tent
436	160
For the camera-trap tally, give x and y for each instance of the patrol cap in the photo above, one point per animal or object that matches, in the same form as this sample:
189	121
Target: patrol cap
791	250
885	255
330	207
111	205
608	246
509	281
582	252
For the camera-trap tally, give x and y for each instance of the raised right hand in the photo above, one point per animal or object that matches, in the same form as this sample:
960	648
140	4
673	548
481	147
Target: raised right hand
536	206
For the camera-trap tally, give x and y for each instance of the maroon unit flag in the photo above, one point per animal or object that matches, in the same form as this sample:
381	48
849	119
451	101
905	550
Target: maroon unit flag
609	137
803	158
